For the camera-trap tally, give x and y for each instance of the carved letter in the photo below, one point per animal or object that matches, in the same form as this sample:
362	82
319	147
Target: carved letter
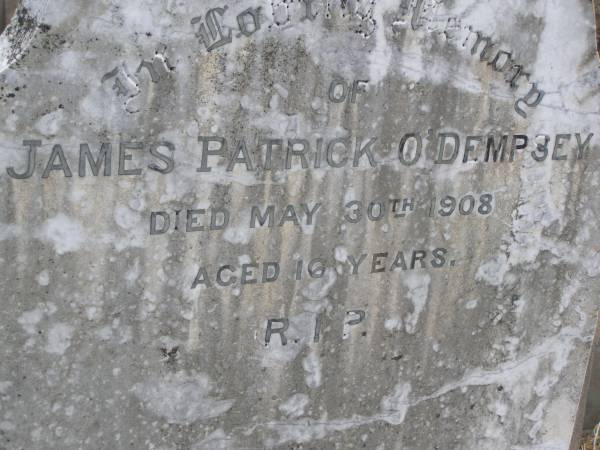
518	146
154	229
361	316
192	220
57	152
158	67
213	37
254	14
291	152
487	46
541	148
270	278
402	147
206	151
332	91
285	324
359	152
518	74
558	146
201	278
498	57
469	147
224	283
582	147
493	150
124	156
33	145
308	14
331	147
243	159
167	159
104	155
532	99
255	216
442	147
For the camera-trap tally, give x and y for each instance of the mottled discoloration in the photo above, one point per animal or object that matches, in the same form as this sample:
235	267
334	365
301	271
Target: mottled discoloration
107	346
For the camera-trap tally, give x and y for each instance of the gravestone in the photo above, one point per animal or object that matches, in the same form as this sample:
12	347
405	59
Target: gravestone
297	224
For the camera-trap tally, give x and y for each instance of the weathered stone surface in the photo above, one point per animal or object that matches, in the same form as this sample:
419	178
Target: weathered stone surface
257	183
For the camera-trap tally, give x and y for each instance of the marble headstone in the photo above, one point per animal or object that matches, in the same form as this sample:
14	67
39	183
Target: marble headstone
297	224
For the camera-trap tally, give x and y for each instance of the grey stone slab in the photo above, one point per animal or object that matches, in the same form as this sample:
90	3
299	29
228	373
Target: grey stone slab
592	399
297	224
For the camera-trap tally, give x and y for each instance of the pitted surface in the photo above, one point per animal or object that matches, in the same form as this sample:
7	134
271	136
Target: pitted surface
297	224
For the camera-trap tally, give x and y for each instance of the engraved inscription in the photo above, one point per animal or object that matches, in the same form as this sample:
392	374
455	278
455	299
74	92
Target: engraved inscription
127	85
502	61
214	152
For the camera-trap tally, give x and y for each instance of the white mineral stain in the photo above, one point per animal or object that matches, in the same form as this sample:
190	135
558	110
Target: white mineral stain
418	291
488	374
59	338
394	409
7	426
93	312
471	304
51	123
318	289
30	319
238	235
217	440
5	386
397	403
312	367
381	56
347	330
181	398
64	233
104	333
43	278
341	254
393	323
282	91
295	406
133	273
126	218
8	231
299	334
493	271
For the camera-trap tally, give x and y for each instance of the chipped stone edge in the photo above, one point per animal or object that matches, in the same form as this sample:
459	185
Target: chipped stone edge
18	35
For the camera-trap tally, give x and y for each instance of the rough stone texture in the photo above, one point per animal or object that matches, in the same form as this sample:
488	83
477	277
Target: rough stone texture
105	343
592	406
7	9
597	12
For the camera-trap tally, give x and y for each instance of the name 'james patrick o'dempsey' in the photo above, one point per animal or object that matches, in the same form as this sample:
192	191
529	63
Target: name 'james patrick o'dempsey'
131	158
